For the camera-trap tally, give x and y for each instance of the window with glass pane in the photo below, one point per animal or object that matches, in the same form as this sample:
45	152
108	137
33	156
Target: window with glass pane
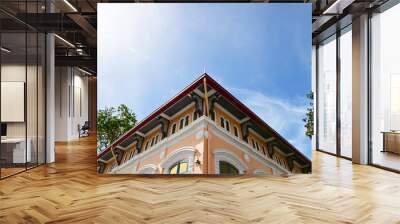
179	168
227	168
327	95
385	88
173	128
14	154
187	120
222	122
346	92
22	88
181	123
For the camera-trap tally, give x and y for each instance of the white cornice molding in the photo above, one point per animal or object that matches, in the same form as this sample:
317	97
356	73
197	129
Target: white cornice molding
192	128
245	148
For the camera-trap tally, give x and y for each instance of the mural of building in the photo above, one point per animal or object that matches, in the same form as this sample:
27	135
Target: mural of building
202	131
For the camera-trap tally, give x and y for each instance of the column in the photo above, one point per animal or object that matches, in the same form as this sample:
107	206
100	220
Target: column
360	90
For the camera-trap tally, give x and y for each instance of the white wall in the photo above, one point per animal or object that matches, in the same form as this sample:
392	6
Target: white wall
71	94
33	126
12	73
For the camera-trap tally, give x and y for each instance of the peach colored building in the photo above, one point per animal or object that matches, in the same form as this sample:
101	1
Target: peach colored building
202	131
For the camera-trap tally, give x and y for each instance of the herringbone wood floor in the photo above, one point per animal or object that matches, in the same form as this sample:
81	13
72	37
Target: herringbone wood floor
70	191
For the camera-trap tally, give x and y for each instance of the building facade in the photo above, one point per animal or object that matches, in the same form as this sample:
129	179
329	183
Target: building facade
202	131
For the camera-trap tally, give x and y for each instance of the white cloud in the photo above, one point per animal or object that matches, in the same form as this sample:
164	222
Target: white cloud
282	115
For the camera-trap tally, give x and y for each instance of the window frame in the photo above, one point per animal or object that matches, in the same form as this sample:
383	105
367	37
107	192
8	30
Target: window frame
337	38
181	123
173	128
229	166
186	120
178	165
236	131
227	125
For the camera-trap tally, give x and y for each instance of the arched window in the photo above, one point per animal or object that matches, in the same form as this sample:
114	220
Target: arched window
227	125
263	149
227	168
181	122
222	122
194	115
157	137
254	144
173	129
185	154
236	131
180	167
186	120
212	114
226	159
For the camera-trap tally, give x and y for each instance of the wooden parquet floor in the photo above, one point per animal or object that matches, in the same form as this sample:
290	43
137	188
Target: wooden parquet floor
70	191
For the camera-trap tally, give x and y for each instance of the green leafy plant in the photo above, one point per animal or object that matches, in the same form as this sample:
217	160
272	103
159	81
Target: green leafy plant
309	119
113	122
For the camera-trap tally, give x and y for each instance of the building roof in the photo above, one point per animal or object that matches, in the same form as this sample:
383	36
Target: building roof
233	101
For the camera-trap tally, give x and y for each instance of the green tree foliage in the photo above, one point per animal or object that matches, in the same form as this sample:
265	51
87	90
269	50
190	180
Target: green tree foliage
309	119
113	122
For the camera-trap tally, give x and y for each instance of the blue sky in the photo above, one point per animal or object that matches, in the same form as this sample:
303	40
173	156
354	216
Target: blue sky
261	53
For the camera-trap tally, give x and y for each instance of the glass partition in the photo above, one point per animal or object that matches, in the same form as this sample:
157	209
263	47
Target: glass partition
385	89
22	101
327	95
13	110
346	92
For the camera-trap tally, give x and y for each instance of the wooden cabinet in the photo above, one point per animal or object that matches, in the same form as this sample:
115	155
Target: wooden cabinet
391	142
